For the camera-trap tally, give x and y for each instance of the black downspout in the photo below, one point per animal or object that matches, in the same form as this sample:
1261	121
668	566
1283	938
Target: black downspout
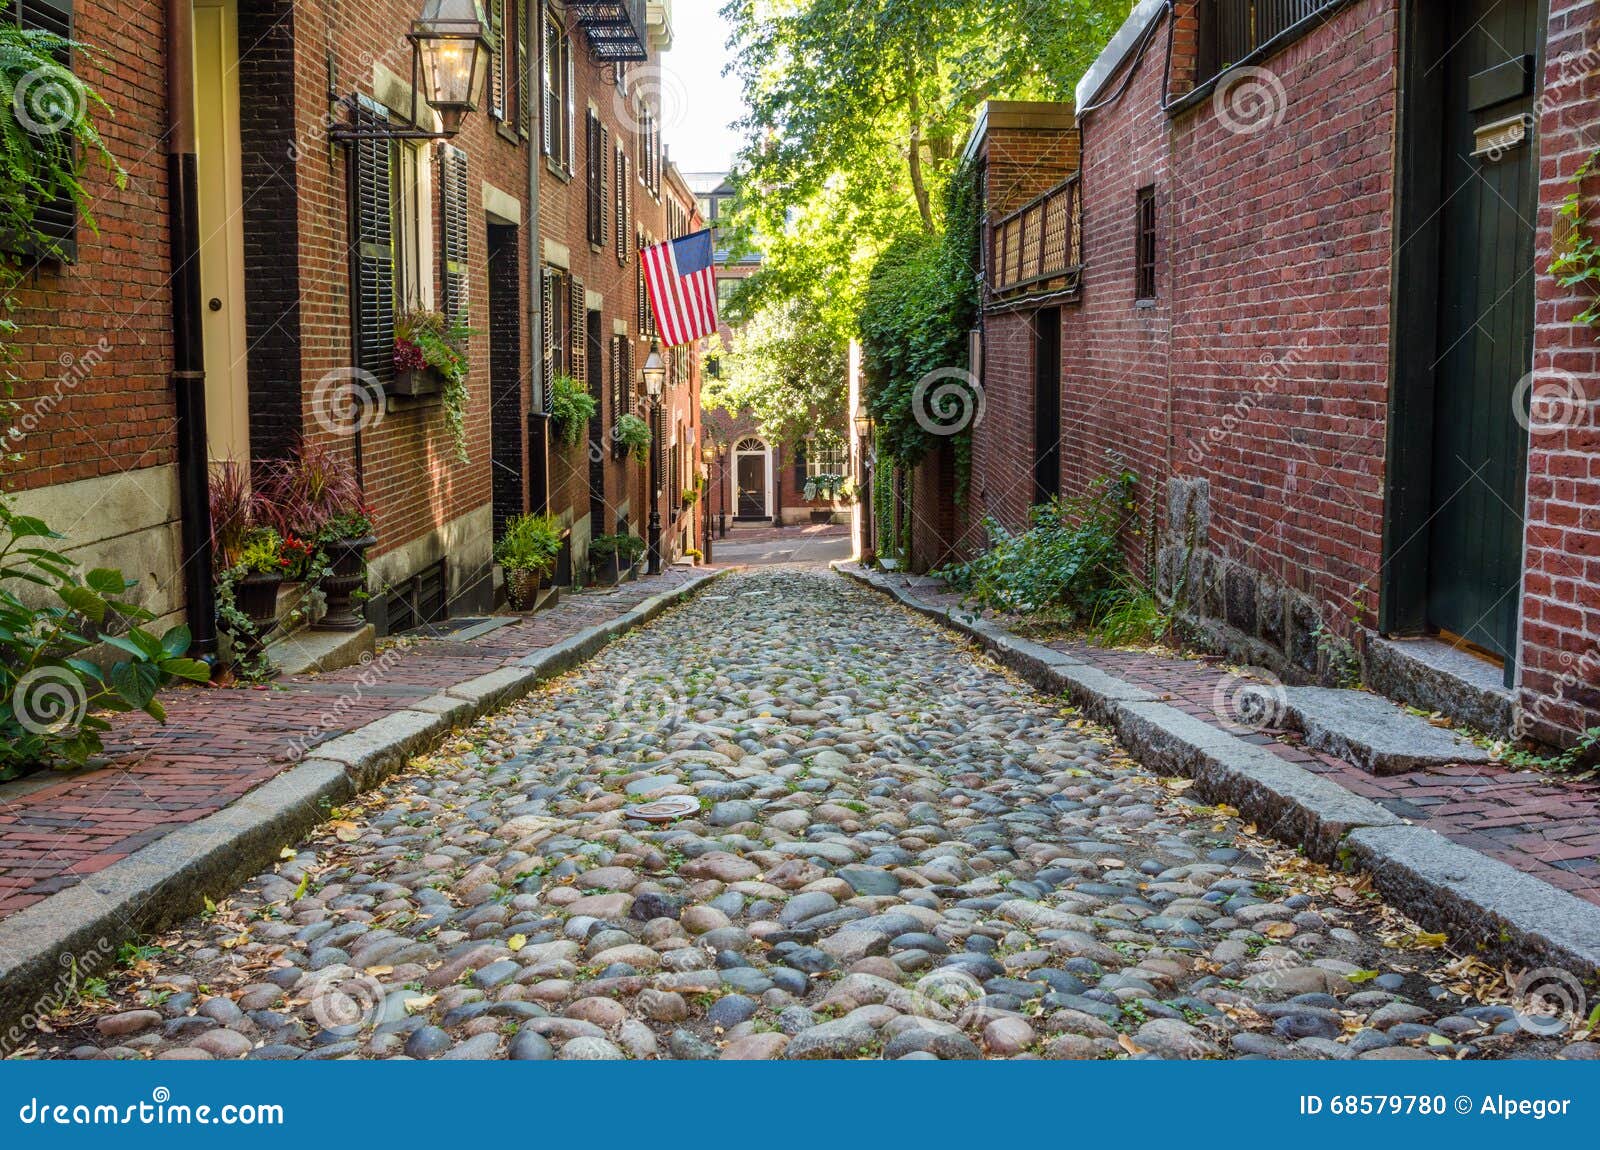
188	340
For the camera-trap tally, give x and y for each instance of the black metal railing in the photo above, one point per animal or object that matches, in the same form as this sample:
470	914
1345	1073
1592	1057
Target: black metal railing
1230	30
1039	247
616	28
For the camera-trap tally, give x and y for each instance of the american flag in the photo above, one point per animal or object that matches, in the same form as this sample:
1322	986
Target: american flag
681	277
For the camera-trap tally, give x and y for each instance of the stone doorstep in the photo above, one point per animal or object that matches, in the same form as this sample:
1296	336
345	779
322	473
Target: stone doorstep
1370	731
306	652
1438	882
169	879
1435	676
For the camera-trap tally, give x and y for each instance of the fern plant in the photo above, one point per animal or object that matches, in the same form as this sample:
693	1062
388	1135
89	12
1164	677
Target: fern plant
571	409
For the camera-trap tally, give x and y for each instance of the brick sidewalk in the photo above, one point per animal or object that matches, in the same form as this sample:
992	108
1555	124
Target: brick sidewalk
1539	824
217	745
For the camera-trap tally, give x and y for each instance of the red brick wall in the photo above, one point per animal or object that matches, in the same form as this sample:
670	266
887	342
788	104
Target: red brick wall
411	474
1277	253
1561	604
93	347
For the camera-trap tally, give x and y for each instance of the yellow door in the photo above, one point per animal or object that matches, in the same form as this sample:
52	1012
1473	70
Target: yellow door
216	83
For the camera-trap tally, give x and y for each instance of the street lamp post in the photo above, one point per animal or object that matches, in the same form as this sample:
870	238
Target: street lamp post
708	455
654	374
863	423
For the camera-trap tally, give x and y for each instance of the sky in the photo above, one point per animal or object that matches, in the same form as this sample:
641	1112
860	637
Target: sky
698	102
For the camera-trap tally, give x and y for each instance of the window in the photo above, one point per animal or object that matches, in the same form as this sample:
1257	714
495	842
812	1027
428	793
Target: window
649	148
1145	246
560	112
411	225
824	457
623	208
598	156
508	103
726	286
644	315
1230	30
56	219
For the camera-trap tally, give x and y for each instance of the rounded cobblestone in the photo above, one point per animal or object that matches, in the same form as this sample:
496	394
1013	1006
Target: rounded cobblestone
901	851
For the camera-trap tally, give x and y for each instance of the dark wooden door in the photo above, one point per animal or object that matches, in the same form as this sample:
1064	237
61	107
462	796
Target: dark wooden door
1047	405
752	487
1485	325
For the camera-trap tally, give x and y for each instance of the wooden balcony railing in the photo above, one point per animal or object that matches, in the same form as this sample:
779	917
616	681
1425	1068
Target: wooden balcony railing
1038	249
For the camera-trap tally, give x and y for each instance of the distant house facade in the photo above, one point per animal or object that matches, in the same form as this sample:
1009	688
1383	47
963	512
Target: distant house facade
756	480
1290	264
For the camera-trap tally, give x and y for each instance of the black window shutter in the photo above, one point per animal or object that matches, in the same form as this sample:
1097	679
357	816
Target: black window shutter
596	162
578	331
547	318
621	220
453	212
497	67
549	116
605	184
628	400
524	97
374	241
800	466
56	219
616	380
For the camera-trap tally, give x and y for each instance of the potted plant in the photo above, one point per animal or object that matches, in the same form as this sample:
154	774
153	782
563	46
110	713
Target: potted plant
528	553
571	409
632	437
611	555
257	577
430	358
344	540
312	497
824	487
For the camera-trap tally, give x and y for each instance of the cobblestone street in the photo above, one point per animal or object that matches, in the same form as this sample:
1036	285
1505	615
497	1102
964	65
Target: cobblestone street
900	851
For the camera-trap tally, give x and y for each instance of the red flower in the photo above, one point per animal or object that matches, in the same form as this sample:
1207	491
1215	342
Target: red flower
408	356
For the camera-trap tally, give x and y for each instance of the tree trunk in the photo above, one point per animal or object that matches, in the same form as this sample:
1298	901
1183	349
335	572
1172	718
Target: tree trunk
919	184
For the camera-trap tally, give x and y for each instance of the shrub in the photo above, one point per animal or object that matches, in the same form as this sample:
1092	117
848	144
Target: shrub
633	434
1068	560
627	548
51	690
571	409
531	543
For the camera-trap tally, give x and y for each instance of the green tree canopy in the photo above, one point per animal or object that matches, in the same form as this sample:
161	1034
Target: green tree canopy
786	368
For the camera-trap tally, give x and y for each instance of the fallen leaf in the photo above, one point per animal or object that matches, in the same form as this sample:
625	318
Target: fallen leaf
420	1003
1129	1044
1360	976
345	831
287	853
1281	930
517	941
378	971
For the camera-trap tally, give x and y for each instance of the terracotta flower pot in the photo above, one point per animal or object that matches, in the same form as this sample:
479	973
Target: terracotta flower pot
347	562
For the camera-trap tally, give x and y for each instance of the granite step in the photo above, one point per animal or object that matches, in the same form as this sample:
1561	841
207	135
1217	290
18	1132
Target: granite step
1372	732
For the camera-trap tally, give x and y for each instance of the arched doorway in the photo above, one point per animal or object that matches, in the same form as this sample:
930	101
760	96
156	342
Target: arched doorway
752	477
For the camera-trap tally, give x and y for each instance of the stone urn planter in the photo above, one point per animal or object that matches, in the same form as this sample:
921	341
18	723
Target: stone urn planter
523	587
347	562
608	571
256	596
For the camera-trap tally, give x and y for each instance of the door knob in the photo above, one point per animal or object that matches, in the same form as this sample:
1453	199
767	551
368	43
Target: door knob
215	304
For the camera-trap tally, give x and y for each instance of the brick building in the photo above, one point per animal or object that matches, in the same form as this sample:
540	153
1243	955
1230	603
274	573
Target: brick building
324	216
1306	297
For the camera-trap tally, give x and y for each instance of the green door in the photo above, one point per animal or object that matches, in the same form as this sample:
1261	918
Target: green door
1485	324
